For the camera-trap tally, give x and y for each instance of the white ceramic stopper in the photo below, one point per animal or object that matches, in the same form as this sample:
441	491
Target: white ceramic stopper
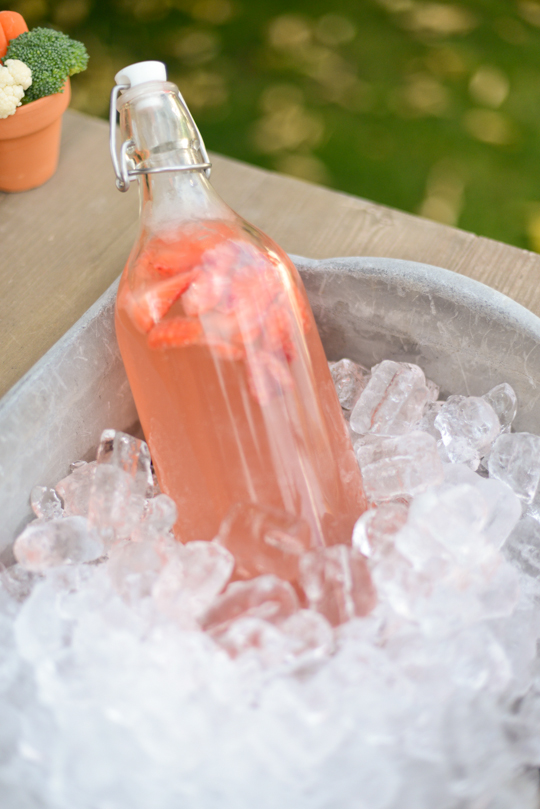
141	72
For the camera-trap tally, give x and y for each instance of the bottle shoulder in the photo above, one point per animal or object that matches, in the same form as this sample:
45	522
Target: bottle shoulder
228	276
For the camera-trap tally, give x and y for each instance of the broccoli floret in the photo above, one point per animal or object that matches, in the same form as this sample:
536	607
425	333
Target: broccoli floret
51	56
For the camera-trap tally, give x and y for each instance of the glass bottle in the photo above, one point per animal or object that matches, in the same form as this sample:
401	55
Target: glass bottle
221	350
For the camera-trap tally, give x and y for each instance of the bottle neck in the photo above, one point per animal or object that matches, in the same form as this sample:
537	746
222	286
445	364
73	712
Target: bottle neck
162	135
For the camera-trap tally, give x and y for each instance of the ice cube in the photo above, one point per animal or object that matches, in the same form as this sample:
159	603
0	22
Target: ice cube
515	459
9	669
77	465
378	526
302	640
265	597
337	583
40	628
158	519
520	790
17	581
75	489
398	466
350	380
311	636
499	591
192	579
504	507
250	635
114	508
393	400
134	568
264	540
129	454
468	426
522	547
57	542
503	400
532	509
45	503
478	753
427	422
445	524
433	390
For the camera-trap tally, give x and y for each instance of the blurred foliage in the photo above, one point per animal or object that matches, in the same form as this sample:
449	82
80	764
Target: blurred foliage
431	107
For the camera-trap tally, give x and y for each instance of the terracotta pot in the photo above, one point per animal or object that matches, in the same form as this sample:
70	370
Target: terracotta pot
30	142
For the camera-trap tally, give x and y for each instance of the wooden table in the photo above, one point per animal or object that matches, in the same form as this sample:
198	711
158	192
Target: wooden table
64	243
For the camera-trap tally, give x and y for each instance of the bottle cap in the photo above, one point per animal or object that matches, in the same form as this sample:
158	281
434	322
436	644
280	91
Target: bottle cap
141	72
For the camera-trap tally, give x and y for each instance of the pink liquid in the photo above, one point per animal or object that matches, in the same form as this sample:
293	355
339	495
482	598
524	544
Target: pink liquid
231	382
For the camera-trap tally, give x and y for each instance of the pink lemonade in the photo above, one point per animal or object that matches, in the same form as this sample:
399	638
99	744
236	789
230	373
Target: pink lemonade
231	381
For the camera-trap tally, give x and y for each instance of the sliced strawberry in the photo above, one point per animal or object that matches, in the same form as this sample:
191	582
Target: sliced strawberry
258	282
250	295
168	258
206	292
149	307
175	333
181	250
161	297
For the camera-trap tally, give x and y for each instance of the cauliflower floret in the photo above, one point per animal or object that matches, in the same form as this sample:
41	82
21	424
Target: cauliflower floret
15	78
20	72
10	100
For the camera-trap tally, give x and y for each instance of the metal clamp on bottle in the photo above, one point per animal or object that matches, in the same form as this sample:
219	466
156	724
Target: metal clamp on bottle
124	166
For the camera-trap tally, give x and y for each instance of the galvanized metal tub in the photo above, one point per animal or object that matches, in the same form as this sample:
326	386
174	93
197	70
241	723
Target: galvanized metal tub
466	337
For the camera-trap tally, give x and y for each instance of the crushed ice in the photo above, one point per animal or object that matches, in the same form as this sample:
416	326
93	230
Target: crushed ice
397	672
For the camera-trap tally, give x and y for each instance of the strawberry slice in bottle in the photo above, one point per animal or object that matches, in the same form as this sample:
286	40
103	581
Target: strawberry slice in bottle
176	332
206	292
174	253
150	306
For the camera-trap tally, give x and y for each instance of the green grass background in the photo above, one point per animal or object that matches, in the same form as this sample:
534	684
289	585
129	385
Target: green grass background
432	108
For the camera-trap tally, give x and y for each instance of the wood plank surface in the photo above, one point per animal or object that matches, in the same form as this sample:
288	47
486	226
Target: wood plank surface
61	245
